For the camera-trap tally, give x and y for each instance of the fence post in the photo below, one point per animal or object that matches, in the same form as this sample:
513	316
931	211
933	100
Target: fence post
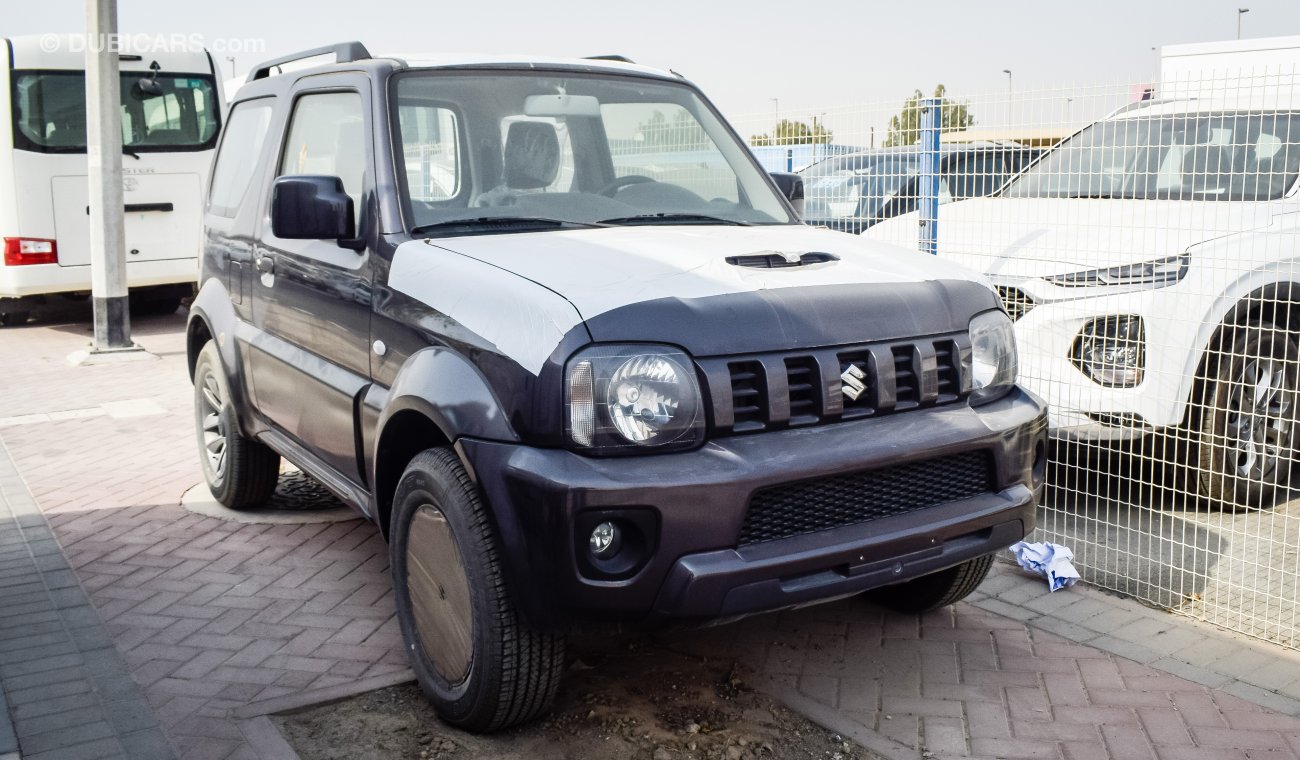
928	176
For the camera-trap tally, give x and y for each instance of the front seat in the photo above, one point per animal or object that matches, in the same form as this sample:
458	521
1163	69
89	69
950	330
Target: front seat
532	156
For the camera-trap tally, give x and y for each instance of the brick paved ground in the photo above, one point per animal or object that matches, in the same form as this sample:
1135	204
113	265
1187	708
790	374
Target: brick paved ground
221	622
214	619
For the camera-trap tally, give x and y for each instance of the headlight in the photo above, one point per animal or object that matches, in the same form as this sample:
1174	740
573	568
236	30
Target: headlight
1111	351
993	356
1153	274
627	399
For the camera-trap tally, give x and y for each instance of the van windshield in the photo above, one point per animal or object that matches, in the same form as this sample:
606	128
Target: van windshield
484	152
1236	156
50	112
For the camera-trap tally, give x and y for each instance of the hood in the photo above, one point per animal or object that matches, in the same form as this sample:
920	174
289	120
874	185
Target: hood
530	292
1011	239
603	269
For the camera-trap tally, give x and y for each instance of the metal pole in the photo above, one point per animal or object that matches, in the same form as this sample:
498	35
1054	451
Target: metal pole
1010	92
776	118
104	162
1240	12
928	176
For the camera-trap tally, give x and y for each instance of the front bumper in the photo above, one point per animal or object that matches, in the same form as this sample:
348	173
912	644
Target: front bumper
698	501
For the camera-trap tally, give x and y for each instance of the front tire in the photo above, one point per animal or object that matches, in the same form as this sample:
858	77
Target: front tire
939	589
240	472
476	659
1247	429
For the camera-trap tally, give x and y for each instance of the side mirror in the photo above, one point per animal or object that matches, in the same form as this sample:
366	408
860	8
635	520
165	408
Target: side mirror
791	186
312	207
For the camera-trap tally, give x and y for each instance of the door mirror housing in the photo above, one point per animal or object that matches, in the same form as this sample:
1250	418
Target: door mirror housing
791	186
312	207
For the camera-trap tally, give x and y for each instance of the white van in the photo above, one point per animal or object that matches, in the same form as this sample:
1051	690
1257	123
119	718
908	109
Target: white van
171	116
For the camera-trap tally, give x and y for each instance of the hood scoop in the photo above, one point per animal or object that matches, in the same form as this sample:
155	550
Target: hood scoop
781	259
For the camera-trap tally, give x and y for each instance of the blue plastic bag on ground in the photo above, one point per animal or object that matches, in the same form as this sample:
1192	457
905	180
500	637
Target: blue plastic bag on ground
1052	561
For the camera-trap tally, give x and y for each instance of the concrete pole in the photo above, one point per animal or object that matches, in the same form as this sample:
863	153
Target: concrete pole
104	161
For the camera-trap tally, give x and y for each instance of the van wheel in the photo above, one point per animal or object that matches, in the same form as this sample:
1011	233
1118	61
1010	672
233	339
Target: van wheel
939	589
1247	428
240	472
478	662
14	318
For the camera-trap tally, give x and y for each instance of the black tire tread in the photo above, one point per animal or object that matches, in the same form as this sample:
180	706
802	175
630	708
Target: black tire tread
532	662
1226	493
938	589
252	468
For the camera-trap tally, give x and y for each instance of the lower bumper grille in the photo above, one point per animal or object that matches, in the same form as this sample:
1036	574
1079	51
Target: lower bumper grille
805	507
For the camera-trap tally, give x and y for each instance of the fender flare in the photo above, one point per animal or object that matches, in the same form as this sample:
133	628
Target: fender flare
437	398
212	316
1261	286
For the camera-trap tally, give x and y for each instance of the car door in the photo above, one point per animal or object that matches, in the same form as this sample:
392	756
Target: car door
311	298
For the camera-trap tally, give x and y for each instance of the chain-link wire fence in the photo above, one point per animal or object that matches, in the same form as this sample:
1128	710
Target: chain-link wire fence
1144	238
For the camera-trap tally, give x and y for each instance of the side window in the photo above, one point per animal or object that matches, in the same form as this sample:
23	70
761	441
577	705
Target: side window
327	137
237	159
431	150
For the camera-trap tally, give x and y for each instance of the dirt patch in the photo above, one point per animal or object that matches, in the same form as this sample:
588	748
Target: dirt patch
633	700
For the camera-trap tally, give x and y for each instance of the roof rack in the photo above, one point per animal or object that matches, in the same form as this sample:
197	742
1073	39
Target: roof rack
619	58
343	52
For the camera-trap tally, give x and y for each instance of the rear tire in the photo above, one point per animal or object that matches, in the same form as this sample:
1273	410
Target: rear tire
939	589
476	659
240	472
1247	430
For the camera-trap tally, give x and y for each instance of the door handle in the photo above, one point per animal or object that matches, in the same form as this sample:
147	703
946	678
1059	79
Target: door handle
265	264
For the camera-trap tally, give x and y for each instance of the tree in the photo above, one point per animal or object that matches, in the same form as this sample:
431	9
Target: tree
794	133
683	132
905	127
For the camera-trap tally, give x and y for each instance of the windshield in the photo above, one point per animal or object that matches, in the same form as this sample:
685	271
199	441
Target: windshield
569	148
857	186
1206	157
50	112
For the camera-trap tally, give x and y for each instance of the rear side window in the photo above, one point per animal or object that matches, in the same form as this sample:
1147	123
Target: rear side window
327	137
237	159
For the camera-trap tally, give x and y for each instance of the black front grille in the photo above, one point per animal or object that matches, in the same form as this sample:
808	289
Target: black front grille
1016	301
797	508
773	391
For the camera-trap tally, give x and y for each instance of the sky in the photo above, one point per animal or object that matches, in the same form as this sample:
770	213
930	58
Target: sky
810	57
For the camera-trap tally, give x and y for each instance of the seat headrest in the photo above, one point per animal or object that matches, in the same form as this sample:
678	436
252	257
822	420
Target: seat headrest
532	155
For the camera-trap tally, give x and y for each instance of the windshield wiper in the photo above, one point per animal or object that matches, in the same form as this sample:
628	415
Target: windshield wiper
674	219
489	224
128	152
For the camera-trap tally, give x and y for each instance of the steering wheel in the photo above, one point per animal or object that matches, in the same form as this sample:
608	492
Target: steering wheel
622	182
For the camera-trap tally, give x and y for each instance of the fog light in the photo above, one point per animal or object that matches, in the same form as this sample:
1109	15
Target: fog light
605	540
1112	351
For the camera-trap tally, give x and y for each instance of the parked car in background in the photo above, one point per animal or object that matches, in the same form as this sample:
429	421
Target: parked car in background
171	116
576	381
850	193
1152	265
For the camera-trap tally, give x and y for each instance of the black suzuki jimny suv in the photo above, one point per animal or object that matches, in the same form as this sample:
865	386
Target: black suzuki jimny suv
550	327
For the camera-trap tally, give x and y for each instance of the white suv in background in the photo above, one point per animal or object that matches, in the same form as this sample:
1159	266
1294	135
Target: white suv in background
1150	263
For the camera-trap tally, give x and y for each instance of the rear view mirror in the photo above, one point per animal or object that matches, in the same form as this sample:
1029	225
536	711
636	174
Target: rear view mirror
561	105
791	186
312	207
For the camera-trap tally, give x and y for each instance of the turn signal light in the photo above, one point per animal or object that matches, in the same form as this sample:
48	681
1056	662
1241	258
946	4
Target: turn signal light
22	251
